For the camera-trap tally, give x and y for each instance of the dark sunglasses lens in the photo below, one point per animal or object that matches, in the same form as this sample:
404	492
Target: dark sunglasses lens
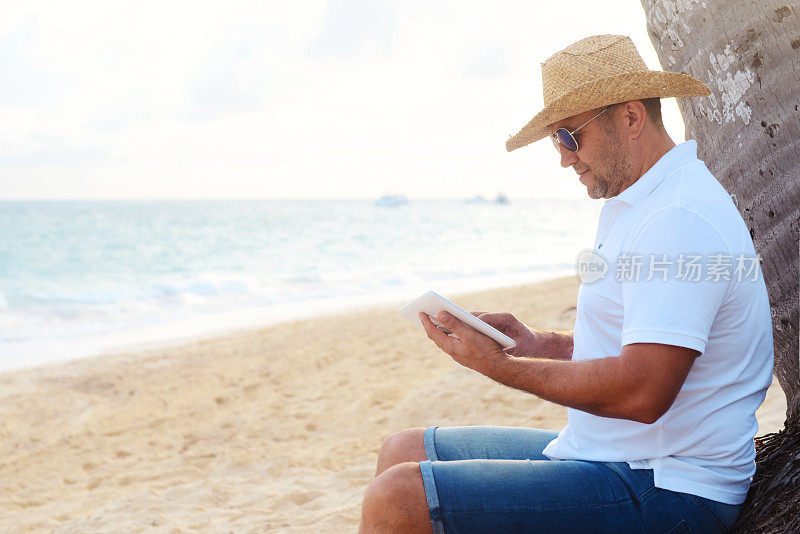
566	139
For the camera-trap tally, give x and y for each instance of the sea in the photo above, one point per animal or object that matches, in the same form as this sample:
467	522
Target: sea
82	277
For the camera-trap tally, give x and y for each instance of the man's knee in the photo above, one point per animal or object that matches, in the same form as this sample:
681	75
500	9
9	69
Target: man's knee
405	446
396	499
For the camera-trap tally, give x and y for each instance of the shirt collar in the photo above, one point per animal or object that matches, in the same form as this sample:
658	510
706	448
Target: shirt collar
677	156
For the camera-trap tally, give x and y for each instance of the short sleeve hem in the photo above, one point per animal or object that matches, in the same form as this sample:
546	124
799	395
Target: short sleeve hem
665	338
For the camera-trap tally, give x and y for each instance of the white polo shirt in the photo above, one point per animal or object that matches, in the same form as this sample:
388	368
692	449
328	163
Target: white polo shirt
699	285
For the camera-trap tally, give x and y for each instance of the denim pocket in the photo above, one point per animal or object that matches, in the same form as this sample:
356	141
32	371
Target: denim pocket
709	506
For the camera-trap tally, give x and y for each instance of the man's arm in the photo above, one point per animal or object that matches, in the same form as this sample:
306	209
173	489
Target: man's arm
531	343
640	384
553	345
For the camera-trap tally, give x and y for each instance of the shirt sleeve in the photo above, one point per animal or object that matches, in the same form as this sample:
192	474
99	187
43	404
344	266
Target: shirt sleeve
683	278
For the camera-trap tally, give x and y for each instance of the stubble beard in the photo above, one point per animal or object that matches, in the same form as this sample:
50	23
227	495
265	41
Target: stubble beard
598	188
609	181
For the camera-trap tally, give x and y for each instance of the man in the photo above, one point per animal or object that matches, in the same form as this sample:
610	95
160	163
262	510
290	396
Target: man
670	356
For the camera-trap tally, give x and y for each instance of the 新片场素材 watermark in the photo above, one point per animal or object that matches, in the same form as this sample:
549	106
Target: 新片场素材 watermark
592	266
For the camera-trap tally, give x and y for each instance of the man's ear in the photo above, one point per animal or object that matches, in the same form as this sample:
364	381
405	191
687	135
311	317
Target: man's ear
635	115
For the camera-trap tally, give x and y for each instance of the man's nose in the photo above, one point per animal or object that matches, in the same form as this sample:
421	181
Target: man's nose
567	157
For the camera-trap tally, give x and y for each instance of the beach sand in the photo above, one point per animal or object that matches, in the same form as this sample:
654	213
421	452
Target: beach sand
272	430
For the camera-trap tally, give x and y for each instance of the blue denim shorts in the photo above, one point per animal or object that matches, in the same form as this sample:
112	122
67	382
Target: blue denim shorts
483	479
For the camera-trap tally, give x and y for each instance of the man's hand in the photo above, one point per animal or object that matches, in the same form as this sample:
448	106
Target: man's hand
528	341
472	349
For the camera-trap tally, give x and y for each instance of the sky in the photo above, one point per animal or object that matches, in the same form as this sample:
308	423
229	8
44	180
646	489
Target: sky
268	99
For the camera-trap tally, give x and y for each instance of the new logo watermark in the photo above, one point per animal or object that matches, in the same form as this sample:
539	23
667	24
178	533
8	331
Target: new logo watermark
591	266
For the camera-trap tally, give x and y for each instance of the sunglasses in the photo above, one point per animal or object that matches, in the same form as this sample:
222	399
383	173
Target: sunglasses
565	138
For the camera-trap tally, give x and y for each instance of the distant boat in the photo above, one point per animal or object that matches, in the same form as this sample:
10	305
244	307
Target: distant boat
391	200
477	199
501	199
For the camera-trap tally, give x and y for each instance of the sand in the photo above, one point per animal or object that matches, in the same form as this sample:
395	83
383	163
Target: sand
270	430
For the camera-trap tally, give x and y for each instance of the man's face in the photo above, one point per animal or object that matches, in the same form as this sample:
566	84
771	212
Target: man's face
602	163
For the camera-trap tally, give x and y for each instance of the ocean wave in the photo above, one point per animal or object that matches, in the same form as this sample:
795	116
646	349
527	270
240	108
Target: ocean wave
200	285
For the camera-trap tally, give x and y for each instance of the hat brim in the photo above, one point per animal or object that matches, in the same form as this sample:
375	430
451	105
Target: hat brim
604	92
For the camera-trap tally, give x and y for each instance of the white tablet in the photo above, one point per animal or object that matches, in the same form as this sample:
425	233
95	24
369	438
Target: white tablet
431	304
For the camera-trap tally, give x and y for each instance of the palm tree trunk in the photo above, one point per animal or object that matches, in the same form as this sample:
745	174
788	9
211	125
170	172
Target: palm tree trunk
748	133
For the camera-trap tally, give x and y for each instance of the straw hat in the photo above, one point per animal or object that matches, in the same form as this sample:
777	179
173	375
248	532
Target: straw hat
595	72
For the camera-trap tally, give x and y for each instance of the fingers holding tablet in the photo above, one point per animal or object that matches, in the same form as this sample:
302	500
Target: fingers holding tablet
432	303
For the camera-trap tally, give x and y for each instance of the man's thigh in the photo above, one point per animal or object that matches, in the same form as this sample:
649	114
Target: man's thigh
467	496
486	443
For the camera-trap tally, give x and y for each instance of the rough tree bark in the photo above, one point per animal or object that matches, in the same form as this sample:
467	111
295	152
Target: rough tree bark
748	133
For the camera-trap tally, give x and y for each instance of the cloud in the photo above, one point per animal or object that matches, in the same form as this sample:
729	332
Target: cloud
25	84
487	64
230	85
352	26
